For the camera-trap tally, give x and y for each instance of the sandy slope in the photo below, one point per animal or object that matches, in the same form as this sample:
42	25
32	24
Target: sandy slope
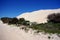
39	16
14	33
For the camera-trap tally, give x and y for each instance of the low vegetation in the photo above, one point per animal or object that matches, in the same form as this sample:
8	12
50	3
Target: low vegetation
52	25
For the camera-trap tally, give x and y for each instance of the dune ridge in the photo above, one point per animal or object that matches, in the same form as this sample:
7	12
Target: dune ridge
39	16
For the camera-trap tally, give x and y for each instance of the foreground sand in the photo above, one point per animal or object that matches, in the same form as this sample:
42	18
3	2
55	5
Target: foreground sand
14	33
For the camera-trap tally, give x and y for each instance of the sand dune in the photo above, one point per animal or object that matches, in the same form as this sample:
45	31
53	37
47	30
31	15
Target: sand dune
14	33
8	32
39	16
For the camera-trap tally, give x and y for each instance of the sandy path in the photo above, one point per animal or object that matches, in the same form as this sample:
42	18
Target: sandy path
14	33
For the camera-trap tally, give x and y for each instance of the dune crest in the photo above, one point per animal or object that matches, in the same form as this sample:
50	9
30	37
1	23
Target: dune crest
39	16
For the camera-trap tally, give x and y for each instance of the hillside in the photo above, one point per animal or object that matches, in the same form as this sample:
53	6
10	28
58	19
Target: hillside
37	25
39	16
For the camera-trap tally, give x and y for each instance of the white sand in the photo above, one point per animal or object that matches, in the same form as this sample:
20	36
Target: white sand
39	16
14	33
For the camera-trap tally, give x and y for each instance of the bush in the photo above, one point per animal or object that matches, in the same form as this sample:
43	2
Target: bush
26	23
55	18
21	20
5	19
13	21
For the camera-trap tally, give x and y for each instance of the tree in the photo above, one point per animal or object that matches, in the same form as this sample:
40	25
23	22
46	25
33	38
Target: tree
21	20
26	23
13	21
5	19
55	18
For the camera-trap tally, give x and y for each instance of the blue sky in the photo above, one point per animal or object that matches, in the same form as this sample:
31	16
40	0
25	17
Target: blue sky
12	8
